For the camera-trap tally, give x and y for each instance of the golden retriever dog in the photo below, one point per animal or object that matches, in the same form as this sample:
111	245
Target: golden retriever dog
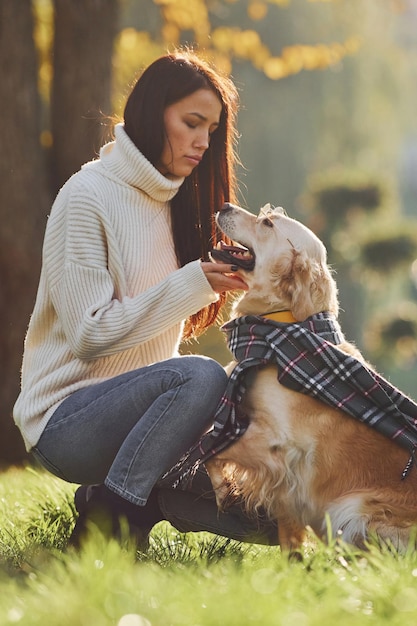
305	463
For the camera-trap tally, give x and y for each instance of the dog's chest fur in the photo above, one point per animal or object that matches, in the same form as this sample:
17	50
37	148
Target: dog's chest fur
288	453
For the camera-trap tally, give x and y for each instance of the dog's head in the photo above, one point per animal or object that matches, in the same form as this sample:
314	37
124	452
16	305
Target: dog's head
281	260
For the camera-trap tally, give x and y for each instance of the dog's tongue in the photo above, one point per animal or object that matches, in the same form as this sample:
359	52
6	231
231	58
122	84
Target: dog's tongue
236	255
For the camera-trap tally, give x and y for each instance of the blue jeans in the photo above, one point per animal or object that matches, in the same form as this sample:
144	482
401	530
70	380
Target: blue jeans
126	432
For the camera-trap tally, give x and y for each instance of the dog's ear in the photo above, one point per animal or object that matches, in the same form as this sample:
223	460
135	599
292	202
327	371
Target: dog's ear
307	285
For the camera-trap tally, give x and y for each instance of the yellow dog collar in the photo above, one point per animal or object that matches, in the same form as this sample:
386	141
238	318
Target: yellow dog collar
280	316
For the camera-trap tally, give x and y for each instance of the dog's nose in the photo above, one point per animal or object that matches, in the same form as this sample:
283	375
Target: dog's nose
228	206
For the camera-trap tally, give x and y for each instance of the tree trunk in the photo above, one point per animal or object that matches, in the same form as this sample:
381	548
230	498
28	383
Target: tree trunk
81	92
83	46
22	205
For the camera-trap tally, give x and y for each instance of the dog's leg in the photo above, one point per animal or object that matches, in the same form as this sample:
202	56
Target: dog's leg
290	534
388	522
214	469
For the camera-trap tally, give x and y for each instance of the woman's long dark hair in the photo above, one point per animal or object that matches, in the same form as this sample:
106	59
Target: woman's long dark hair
166	81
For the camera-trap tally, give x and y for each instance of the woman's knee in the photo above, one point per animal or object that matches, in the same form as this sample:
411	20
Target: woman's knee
205	372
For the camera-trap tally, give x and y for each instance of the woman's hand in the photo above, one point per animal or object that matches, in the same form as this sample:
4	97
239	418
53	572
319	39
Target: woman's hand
222	277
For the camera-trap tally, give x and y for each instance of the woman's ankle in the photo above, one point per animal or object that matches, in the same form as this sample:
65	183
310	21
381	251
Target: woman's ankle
142	516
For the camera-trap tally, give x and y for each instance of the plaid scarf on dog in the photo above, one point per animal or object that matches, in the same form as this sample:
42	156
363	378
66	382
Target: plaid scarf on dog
309	362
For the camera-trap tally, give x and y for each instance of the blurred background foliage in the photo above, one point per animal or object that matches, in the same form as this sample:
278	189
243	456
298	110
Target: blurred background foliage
327	123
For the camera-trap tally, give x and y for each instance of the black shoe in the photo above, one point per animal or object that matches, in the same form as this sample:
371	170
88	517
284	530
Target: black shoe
97	514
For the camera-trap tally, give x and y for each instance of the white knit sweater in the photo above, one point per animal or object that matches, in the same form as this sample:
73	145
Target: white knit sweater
111	297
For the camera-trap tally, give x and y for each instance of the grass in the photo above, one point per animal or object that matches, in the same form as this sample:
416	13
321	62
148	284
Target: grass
182	580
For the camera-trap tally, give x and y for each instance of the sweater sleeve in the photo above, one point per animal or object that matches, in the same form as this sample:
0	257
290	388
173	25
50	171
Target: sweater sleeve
97	324
97	310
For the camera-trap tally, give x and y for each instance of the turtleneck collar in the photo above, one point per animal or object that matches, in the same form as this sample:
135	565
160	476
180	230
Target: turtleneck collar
122	160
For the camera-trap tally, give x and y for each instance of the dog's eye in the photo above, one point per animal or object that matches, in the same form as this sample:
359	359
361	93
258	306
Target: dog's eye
268	222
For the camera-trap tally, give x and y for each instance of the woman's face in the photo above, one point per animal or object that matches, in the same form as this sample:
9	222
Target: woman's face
189	124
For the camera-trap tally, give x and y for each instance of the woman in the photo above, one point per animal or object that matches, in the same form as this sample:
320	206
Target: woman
106	401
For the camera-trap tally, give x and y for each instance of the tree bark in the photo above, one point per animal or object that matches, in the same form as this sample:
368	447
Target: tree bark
83	46
22	205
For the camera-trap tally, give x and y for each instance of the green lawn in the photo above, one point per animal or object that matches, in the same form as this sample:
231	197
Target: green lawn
183	580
